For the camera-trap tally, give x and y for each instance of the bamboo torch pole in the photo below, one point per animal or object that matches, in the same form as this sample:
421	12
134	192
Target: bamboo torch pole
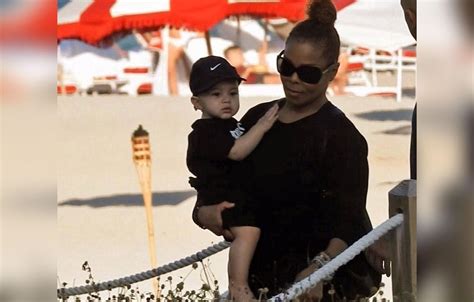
142	161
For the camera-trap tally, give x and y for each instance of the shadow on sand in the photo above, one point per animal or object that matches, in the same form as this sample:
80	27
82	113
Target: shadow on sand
403	130
387	115
129	200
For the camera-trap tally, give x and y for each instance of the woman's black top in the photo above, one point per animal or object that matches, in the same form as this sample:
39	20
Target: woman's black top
310	179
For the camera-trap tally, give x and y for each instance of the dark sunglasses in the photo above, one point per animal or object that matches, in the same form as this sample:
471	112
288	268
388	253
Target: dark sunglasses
306	73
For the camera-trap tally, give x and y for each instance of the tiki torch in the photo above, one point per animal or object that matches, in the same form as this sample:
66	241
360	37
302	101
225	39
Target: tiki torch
142	161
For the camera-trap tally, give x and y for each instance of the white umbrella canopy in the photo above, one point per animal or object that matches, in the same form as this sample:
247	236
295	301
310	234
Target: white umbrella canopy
83	62
378	24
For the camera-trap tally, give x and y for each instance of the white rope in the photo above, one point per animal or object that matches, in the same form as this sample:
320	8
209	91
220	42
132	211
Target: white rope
343	258
64	293
296	290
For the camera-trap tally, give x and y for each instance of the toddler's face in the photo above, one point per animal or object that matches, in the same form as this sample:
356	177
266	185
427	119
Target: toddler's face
221	101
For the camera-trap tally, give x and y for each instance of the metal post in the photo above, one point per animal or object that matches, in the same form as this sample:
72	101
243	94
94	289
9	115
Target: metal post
399	75
238	37
373	58
402	199
208	42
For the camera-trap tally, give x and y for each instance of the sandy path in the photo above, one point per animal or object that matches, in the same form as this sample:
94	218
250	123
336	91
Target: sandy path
100	214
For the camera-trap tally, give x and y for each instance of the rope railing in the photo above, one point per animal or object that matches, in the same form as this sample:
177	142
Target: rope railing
338	261
294	291
64	293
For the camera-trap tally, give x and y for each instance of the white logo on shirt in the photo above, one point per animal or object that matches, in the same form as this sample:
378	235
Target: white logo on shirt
238	131
212	68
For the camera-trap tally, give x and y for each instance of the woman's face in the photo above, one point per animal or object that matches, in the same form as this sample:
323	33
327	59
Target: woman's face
298	92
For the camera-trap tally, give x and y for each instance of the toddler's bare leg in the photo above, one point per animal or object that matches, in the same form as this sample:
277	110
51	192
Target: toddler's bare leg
240	256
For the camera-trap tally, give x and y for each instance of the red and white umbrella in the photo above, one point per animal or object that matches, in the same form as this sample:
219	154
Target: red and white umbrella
94	20
27	22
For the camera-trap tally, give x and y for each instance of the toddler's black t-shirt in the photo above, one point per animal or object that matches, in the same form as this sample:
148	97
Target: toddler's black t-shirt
218	178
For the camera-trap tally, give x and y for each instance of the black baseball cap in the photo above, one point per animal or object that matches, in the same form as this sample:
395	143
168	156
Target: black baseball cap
210	71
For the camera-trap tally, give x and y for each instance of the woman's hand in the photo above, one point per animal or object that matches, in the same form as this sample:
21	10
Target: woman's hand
314	294
268	119
378	255
210	217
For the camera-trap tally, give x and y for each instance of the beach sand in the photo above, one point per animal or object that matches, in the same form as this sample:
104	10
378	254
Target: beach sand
100	212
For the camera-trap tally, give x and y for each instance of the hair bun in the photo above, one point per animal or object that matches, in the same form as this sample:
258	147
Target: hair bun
322	11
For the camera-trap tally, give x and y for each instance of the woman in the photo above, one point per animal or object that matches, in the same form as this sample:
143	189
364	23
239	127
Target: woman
308	175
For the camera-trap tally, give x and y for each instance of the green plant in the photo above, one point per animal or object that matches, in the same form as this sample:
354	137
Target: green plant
208	291
170	291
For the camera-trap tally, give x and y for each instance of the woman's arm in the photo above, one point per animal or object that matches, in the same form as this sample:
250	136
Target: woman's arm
245	144
347	180
334	248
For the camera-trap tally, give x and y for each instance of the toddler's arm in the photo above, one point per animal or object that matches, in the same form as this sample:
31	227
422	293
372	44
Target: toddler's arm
245	144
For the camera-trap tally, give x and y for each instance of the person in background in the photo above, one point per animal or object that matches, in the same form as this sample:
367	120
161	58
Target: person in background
152	41
176	44
255	74
409	9
341	79
378	254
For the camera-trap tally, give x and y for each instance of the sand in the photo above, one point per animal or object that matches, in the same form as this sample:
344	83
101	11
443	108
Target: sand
101	217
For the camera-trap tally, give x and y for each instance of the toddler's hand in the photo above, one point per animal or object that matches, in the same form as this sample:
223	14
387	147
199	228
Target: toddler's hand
267	121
